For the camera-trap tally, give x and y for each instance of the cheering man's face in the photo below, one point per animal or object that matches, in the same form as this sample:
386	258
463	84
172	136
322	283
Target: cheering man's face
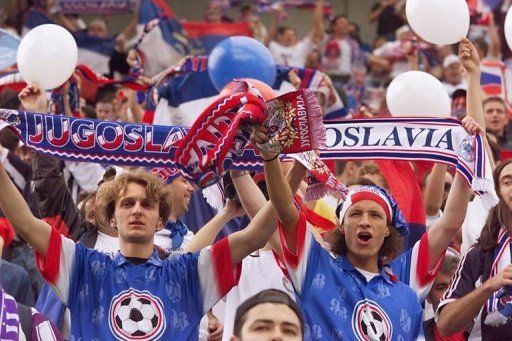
365	228
136	216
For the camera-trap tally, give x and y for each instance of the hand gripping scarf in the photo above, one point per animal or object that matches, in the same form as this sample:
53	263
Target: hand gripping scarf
221	133
430	139
499	305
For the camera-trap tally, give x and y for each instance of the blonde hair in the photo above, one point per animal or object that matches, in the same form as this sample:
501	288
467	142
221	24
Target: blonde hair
111	191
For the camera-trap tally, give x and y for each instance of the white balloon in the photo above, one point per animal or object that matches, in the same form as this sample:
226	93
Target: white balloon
417	93
508	28
47	56
440	22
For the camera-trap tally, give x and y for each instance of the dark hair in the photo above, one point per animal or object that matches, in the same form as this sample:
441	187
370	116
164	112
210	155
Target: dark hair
391	247
266	296
340	165
495	149
282	29
495	99
482	44
9	99
336	18
9	140
497	215
449	264
360	182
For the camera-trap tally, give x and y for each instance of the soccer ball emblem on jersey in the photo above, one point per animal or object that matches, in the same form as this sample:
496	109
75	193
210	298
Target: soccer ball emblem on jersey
370	322
136	315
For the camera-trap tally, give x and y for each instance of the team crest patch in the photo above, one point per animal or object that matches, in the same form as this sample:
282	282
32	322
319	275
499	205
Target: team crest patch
370	322
136	315
467	149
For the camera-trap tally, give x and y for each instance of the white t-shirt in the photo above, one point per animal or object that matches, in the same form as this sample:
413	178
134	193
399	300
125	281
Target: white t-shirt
294	56
450	88
164	240
476	216
367	274
337	57
258	274
107	244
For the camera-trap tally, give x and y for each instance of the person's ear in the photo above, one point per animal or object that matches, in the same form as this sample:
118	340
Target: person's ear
113	222
342	229
388	232
159	225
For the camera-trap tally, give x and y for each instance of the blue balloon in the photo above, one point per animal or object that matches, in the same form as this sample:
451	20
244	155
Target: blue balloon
240	57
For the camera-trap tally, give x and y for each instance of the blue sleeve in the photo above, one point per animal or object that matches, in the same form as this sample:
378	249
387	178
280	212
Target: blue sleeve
184	286
88	265
401	266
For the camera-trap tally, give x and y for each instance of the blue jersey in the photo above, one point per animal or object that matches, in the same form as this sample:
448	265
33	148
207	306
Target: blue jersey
111	298
338	302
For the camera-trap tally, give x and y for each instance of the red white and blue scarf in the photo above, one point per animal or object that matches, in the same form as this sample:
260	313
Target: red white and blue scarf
431	139
499	305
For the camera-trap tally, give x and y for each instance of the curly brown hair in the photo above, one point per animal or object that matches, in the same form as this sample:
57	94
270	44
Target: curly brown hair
498	215
111	191
391	247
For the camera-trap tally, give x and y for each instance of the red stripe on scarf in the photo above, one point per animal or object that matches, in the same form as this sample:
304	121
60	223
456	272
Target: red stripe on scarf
319	221
405	189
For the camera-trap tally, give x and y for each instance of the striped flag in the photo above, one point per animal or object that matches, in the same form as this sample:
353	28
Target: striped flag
95	52
492	80
183	97
166	43
210	34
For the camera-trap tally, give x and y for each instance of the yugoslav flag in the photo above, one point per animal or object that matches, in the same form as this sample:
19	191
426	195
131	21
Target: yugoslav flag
182	98
11	80
95	52
166	43
210	34
492	80
8	48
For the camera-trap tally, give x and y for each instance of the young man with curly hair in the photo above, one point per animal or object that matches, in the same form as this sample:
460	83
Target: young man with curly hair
358	293
136	294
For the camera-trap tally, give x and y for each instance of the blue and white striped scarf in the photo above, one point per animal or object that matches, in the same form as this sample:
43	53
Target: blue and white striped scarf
433	139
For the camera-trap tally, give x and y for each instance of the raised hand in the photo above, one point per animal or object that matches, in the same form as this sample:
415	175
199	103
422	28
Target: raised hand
33	99
471	126
468	56
502	279
260	136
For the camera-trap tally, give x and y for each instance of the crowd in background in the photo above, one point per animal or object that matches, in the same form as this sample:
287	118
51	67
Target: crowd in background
66	194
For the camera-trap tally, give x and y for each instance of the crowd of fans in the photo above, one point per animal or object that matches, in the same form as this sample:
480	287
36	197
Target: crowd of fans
105	252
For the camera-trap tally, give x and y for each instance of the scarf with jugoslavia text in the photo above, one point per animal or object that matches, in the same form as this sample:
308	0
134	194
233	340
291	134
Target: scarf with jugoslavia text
431	139
499	305
220	134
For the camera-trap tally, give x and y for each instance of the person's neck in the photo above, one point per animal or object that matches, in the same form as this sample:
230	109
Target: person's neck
369	264
175	214
137	250
343	178
109	231
497	133
340	35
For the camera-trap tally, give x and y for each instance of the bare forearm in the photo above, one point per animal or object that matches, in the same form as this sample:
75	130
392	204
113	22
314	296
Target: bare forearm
376	14
444	230
280	193
434	189
31	229
249	194
207	234
317	34
254	236
474	99
459	314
